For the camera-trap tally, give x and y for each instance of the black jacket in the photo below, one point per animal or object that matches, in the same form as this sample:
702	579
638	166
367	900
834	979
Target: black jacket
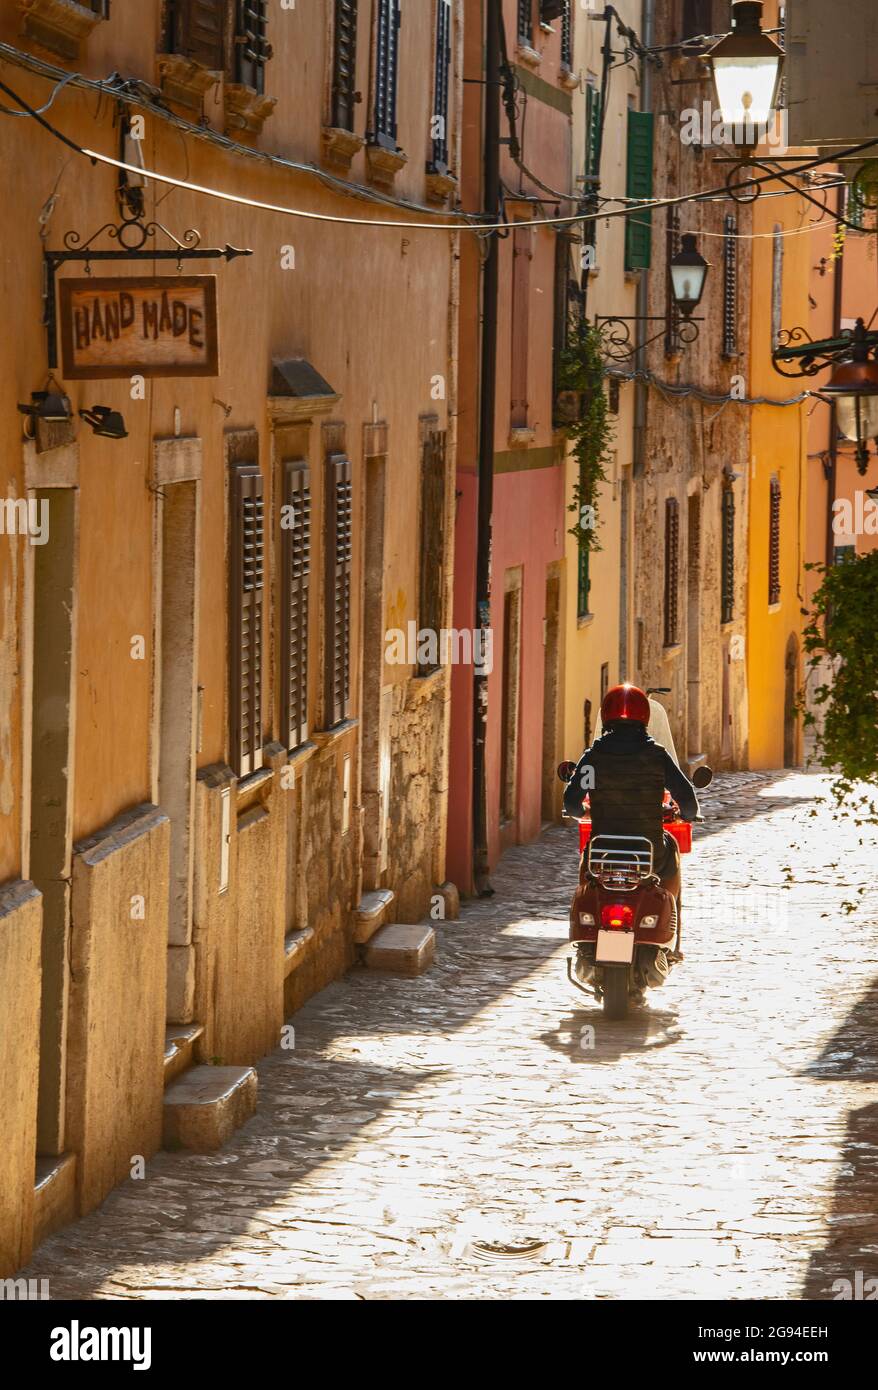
628	774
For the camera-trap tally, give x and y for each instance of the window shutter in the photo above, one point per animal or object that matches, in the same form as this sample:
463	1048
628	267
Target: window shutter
339	519
296	571
638	226
592	131
197	31
245	616
386	73
727	602
774	543
672	313
697	18
432	534
100	7
252	49
525	22
552	9
344	64
730	287
521	259
672	570
567	34
439	162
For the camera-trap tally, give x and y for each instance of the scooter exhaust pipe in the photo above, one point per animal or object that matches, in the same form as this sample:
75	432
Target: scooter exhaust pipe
577	983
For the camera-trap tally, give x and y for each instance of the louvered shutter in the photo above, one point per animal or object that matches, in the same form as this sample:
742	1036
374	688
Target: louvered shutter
730	287
252	48
774	542
672	570
344	64
638	224
339	519
432	535
245	617
672	313
197	31
592	130
521	259
439	162
525	22
567	34
728	556
386	72
295	599
551	10
697	18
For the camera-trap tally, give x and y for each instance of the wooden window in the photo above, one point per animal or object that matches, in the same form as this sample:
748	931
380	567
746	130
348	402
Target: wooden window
295	556
245	618
252	49
344	64
432	536
727	600
774	542
522	254
386	74
509	712
567	34
337	592
638	225
583	575
672	313
526	23
196	30
730	286
672	572
697	19
439	161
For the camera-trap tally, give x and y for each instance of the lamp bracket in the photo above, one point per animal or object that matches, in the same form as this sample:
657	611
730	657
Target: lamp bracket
615	333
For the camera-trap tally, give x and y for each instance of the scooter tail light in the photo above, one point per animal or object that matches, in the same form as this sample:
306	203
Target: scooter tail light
617	915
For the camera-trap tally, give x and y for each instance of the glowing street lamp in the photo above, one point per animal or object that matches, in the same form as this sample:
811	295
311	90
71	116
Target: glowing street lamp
688	276
746	67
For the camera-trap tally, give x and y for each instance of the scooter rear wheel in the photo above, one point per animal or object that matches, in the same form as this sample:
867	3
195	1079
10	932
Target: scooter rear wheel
615	987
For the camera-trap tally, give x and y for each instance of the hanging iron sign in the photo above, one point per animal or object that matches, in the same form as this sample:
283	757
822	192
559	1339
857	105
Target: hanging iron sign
145	325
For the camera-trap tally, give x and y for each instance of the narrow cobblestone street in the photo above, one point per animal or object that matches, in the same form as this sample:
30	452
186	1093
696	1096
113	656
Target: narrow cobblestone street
455	1136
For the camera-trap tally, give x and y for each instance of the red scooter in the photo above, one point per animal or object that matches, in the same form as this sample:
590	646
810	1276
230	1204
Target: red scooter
622	921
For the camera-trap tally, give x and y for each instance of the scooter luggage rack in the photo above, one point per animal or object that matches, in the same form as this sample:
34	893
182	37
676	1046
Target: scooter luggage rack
620	861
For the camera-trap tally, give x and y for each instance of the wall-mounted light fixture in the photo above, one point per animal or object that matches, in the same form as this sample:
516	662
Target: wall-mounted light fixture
688	277
746	69
853	386
106	423
51	405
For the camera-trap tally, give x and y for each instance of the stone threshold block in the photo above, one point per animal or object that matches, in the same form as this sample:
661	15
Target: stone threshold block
374	910
401	948
205	1107
180	1040
54	1195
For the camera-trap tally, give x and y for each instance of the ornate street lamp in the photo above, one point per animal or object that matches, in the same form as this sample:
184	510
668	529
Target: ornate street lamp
746	68
688	275
853	386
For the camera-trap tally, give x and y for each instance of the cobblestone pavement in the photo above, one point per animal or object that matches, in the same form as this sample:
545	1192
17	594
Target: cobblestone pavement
450	1136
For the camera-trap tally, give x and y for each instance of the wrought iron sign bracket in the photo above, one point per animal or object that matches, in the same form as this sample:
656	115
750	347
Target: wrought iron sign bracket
615	333
131	234
797	354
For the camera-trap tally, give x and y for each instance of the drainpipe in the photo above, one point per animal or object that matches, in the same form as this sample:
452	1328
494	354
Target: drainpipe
832	471
640	387
488	381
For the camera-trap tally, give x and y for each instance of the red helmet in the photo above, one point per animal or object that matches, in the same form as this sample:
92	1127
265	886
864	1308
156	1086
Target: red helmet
625	702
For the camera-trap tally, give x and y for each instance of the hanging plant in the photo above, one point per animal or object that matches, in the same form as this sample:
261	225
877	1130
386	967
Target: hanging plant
581	374
842	630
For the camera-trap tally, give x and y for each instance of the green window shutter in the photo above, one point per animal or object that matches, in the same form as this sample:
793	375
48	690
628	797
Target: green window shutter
592	129
638	226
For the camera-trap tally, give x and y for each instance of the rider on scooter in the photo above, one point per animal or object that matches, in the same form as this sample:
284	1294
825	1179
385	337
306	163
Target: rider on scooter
628	775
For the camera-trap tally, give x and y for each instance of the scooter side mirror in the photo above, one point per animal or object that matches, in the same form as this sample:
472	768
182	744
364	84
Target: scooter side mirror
702	776
566	771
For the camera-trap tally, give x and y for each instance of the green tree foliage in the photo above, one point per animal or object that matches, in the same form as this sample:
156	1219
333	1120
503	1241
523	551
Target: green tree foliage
843	628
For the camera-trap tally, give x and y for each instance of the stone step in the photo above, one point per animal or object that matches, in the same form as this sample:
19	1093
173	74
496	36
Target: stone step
206	1105
180	1040
404	949
375	908
54	1195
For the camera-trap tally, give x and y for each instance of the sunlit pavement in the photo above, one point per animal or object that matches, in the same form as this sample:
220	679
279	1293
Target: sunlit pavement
457	1136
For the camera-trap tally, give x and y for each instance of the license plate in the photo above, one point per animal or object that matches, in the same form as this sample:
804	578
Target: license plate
615	948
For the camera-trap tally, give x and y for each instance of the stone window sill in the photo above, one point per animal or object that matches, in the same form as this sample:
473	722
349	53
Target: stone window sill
521	437
671	652
584	619
568	78
183	81
59	25
339	147
527	55
245	109
440	187
384	165
328	738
